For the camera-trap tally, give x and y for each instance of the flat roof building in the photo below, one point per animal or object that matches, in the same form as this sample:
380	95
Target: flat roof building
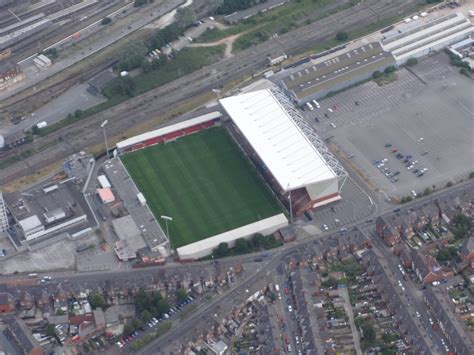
106	195
41	217
314	80
127	230
425	38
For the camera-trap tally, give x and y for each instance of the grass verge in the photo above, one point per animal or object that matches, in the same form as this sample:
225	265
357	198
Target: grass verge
279	20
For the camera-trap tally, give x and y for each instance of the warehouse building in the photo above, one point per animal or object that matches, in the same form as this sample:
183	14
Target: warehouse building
421	39
315	79
294	161
48	213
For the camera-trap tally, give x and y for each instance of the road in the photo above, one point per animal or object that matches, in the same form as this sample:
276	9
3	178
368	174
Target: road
144	107
410	296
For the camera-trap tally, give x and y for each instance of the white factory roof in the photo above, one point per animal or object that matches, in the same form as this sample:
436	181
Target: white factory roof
30	223
103	181
168	129
286	151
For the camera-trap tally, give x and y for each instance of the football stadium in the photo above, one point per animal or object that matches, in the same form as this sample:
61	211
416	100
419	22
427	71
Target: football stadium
228	175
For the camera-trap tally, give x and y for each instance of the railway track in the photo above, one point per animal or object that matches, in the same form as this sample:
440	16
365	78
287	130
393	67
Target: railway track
42	39
160	100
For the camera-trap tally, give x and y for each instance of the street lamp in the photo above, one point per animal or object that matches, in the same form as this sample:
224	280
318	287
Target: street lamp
167	218
105	137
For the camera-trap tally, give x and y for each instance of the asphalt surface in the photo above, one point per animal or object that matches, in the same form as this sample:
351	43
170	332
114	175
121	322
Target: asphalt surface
121	117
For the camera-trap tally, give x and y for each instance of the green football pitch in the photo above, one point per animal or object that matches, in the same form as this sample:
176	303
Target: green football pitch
204	182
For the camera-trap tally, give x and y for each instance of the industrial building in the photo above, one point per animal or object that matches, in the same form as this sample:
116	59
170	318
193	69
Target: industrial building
46	213
314	79
130	237
285	149
416	38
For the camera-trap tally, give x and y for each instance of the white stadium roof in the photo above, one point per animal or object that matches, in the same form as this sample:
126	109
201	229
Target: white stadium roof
287	152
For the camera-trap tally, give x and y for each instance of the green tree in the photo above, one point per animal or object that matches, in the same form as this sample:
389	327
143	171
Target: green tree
128	329
123	86
97	301
106	20
222	250
50	330
368	331
185	17
377	74
146	316
411	62
136	323
241	246
35	130
257	240
427	191
132	57
162	307
331	282
342	36
139	3
389	69
78	113
181	294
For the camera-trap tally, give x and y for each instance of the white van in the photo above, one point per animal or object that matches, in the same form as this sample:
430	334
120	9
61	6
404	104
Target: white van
311	108
316	104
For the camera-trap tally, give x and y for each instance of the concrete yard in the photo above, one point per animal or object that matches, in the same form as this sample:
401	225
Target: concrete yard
57	256
426	113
